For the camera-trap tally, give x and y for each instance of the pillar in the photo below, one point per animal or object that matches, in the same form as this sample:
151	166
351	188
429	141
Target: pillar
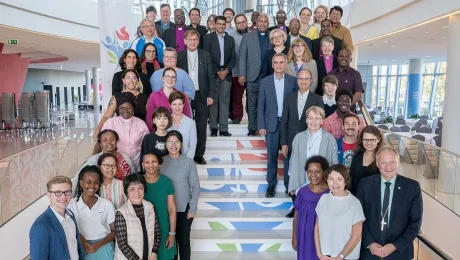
96	90
88	86
451	124
415	80
251	4
354	58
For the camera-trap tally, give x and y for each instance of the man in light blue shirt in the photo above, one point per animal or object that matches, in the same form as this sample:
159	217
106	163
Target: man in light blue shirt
273	90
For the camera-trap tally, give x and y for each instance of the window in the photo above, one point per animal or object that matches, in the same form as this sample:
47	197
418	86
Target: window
392	95
374	92
402	95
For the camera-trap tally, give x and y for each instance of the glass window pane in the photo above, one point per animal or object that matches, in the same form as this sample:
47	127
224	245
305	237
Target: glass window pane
426	94
392	95
404	69
429	68
375	70
443	67
402	95
394	69
374	92
438	107
382	94
383	70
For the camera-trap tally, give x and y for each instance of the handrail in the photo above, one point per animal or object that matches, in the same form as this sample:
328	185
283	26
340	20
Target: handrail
439	251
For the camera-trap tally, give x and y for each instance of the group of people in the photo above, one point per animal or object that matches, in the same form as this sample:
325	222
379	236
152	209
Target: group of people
137	196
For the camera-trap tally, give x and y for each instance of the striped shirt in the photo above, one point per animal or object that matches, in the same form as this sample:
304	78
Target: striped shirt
114	192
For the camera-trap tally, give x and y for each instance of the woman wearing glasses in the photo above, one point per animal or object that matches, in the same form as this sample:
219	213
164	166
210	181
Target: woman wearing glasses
149	59
160	98
363	163
277	39
299	58
111	188
181	170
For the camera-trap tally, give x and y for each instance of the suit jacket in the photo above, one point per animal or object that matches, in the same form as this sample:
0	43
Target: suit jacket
211	45
405	216
306	39
206	73
47	238
316	45
249	63
160	31
321	68
291	125
169	36
267	105
276	27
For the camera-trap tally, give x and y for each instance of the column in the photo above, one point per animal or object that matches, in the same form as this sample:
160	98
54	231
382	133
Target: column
88	86
251	4
451	124
354	58
96	90
415	80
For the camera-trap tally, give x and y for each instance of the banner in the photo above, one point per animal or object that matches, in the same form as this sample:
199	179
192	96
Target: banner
117	29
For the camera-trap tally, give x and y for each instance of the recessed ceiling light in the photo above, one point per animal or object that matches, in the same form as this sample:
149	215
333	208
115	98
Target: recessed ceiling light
445	27
393	46
444	37
427	32
427	56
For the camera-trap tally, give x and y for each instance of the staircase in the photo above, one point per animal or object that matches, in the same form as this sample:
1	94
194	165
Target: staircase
234	219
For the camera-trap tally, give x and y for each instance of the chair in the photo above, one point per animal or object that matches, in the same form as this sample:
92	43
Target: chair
400	117
424	130
419	137
438	130
423	122
437	139
8	108
424	117
383	116
26	108
384	127
400	121
395	129
372	113
405	128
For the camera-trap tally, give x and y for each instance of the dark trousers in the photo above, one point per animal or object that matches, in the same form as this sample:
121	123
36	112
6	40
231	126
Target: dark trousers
201	109
236	100
183	228
252	94
286	170
272	139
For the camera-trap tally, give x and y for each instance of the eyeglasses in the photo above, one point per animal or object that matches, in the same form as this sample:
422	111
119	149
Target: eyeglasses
171	143
150	52
372	141
303	79
147	26
59	193
108	166
314	118
169	57
170	77
131	78
192	40
278	37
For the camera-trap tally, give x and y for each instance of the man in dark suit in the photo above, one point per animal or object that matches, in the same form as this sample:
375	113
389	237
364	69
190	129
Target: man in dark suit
292	122
221	46
174	35
281	17
48	239
272	93
165	22
294	27
195	17
197	63
326	30
392	205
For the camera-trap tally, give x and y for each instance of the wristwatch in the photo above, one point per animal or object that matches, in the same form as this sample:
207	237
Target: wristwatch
342	256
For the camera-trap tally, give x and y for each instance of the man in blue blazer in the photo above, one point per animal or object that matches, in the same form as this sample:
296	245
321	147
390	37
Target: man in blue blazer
273	90
54	234
392	205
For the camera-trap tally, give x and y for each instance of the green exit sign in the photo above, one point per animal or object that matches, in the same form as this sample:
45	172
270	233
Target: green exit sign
12	41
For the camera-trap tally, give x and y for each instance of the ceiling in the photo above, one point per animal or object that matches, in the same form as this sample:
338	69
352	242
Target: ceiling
427	41
76	55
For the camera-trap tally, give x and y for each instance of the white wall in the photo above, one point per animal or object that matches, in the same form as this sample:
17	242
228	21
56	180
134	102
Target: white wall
36	78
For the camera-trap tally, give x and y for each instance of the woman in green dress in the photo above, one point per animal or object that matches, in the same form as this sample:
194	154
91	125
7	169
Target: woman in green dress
160	192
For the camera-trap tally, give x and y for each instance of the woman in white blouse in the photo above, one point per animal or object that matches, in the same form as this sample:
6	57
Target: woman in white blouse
340	218
183	124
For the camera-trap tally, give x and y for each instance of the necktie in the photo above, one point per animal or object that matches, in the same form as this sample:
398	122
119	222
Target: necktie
385	212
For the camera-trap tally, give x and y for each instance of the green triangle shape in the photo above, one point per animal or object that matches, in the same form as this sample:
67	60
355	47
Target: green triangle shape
274	248
227	247
217	226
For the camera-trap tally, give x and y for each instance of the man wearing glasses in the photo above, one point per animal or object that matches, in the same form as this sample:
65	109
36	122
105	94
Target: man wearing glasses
148	31
165	21
54	234
280	22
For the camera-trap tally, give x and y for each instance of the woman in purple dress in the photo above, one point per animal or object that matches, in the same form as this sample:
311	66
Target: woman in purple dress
303	237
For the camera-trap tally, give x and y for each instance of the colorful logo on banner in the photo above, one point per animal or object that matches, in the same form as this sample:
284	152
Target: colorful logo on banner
116	44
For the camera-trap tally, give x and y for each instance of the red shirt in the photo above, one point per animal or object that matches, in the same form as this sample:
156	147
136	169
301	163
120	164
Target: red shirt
333	124
348	153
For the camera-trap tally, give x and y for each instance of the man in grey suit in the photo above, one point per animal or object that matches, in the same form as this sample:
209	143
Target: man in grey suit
273	90
252	51
294	119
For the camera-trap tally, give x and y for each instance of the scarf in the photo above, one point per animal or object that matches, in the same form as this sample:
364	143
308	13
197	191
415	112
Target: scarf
156	65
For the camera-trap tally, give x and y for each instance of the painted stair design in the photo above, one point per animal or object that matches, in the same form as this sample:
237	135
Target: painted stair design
234	219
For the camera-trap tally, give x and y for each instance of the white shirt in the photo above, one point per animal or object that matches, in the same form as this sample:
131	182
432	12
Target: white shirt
192	59
327	101
301	101
314	143
293	38
70	231
337	215
93	223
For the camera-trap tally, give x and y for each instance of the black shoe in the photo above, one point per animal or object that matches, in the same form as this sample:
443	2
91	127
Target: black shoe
270	192
225	134
252	133
290	214
213	132
236	122
199	159
287	193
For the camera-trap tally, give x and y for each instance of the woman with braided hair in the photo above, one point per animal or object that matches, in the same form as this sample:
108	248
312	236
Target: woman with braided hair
95	216
130	129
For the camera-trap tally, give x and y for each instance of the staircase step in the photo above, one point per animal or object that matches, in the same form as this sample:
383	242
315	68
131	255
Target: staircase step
245	255
235	153
242	240
237	183
237	167
243	201
242	220
238	142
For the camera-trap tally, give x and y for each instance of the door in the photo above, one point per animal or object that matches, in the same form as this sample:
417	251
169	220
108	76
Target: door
72	95
79	95
49	88
58	97
66	96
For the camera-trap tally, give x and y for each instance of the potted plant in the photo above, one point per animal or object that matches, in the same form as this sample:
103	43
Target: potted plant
389	120
413	131
414	116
